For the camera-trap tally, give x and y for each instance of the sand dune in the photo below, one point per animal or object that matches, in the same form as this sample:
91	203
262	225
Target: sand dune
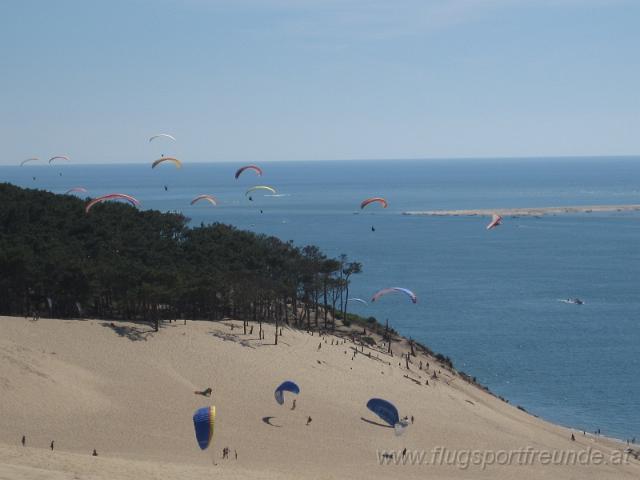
128	392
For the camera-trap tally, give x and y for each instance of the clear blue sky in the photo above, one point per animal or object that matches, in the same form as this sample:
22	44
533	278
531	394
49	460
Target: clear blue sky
253	80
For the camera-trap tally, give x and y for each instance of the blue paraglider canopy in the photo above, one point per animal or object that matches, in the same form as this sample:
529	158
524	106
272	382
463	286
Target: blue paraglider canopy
385	410
204	422
287	386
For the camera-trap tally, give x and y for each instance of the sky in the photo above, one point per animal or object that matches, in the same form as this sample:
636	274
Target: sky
266	80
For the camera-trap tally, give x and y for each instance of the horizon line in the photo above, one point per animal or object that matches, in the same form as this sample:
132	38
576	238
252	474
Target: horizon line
404	159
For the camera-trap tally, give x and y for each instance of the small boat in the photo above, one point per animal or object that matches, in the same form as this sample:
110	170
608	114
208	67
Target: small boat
573	301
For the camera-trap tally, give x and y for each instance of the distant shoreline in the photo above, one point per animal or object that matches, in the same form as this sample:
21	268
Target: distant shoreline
525	212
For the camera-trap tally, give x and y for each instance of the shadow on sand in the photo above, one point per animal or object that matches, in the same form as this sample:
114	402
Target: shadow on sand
230	337
375	423
133	333
267	420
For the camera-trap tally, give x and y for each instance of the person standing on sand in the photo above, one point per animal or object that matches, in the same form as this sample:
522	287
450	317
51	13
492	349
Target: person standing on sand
24	440
51	445
308	420
94	454
573	438
235	452
293	407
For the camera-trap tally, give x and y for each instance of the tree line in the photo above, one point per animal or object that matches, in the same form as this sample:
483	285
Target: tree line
118	262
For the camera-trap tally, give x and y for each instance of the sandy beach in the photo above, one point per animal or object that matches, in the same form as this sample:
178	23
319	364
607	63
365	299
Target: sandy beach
128	392
526	212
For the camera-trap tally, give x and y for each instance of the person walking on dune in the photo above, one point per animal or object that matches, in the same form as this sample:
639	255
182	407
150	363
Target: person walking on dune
24	440
308	420
51	445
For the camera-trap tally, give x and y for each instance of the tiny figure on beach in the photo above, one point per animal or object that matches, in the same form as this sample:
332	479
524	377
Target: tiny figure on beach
319	345
412	419
235	452
404	451
206	392
309	420
225	452
293	407
573	438
51	445
24	440
94	454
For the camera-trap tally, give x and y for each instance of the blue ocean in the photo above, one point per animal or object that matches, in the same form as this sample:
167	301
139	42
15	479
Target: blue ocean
490	300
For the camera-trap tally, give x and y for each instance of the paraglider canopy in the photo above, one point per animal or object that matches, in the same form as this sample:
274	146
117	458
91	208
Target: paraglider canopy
286	386
175	161
208	198
203	423
385	410
496	220
354	299
112	196
58	157
388	413
260	187
371	200
255	168
28	160
165	135
384	291
76	189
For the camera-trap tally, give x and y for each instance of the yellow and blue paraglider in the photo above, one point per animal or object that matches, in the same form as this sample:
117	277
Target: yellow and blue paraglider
287	386
203	422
